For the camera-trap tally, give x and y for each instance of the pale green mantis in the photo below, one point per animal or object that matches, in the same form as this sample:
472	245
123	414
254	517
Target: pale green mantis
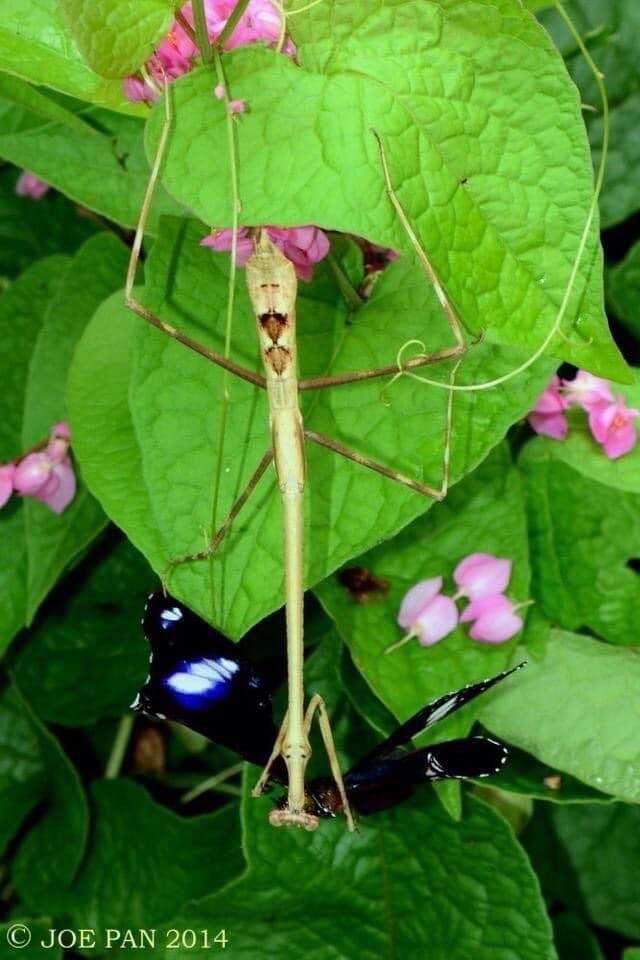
272	287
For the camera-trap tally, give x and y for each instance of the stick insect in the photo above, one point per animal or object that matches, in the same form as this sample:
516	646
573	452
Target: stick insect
272	284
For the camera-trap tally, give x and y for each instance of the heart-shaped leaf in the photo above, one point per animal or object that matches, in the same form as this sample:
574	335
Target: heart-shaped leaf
158	485
485	143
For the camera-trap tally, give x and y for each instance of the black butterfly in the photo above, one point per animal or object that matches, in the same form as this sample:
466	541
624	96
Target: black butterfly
196	677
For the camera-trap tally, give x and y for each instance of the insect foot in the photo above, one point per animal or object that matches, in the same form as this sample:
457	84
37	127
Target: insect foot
293	818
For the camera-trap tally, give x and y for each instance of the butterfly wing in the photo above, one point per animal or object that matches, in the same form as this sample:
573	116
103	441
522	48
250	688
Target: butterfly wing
425	718
386	782
197	678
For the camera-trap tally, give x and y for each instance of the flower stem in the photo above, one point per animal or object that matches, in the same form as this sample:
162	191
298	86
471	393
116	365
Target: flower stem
395	646
202	34
212	783
119	748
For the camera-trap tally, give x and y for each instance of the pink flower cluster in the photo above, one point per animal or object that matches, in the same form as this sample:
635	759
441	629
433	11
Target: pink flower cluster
429	615
175	53
304	246
28	185
46	474
610	420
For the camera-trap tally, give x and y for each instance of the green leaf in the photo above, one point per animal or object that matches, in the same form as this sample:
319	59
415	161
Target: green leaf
457	900
573	939
610	28
39	930
102	168
582	536
144	862
52	540
36	47
49	855
485	513
623	286
30	230
115	36
632	953
161	492
576	708
22	775
22	310
90	641
30	98
483	133
602	844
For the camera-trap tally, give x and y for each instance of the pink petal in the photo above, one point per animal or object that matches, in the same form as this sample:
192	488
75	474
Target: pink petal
135	89
496	628
219	91
416	599
439	617
32	474
550	400
549	425
617	443
491	605
7	471
59	498
237	106
587	390
482	575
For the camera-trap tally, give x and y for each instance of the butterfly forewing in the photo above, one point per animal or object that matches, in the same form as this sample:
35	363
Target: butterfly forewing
197	678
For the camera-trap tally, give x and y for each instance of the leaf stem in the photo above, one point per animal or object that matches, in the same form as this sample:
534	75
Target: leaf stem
202	34
231	23
119	748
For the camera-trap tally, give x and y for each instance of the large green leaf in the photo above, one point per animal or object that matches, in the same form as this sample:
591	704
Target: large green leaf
36	46
22	310
103	167
485	513
485	142
115	36
89	641
22	774
161	493
611	28
412	883
52	540
49	855
144	862
582	536
623	290
576	707
603	847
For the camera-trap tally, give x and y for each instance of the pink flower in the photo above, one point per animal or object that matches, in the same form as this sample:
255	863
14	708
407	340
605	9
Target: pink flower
7	471
426	613
612	426
220	240
176	52
547	416
48	474
29	185
416	599
495	619
586	390
304	246
235	106
482	575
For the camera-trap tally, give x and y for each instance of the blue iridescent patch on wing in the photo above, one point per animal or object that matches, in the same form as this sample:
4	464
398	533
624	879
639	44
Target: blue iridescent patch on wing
195	683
